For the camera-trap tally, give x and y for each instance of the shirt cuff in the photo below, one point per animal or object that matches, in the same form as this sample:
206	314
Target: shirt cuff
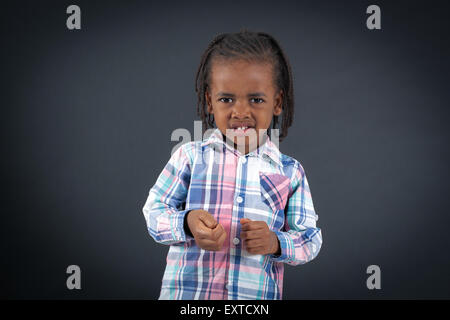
285	245
177	226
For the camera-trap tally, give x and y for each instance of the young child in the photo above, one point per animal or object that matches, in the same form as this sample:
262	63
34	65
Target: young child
232	207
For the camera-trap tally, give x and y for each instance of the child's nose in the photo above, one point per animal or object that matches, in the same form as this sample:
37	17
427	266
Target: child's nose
241	109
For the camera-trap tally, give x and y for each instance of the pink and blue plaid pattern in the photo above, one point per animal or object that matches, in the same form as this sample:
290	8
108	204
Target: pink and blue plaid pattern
263	185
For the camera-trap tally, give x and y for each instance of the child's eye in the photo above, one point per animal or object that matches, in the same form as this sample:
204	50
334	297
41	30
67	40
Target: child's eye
225	100
257	100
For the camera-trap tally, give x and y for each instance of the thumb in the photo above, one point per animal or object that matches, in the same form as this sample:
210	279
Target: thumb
208	220
245	220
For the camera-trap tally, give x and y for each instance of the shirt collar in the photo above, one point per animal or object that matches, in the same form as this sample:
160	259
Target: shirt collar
267	150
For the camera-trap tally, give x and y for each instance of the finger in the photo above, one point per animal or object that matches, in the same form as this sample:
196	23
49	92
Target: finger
247	226
257	225
253	225
208	220
203	232
253	234
245	220
213	245
209	245
206	244
253	243
217	232
256	250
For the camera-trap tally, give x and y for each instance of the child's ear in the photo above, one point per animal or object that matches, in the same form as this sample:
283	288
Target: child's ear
278	103
208	102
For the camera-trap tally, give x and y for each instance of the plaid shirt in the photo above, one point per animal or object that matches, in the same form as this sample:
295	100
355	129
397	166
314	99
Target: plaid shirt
263	185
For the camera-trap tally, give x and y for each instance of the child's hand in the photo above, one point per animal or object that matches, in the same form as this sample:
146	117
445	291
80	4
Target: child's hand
208	234
258	238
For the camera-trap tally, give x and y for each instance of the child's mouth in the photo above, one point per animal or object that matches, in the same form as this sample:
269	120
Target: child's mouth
248	132
241	130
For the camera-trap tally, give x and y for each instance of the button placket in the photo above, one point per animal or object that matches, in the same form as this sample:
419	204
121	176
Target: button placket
240	199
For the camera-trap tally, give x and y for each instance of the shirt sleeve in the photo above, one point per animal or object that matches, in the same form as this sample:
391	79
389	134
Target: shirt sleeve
301	240
164	209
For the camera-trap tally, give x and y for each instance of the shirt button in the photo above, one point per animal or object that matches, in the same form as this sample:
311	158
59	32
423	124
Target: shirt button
226	286
244	160
239	199
236	241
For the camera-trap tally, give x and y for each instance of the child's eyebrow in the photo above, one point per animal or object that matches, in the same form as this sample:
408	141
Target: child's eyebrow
253	94
257	94
224	94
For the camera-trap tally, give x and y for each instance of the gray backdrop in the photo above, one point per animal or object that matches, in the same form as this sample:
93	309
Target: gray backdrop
87	117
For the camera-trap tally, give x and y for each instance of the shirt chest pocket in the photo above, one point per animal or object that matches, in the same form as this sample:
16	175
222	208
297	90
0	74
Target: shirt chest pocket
275	190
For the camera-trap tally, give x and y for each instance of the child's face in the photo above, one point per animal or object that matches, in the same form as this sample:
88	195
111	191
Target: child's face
243	93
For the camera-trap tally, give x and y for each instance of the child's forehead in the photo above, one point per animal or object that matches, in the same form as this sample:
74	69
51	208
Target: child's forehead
242	75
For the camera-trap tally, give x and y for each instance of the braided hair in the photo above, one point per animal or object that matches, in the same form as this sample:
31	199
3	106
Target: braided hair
251	46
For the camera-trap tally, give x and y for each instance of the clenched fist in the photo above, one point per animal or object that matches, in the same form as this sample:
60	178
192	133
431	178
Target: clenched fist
208	234
258	238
